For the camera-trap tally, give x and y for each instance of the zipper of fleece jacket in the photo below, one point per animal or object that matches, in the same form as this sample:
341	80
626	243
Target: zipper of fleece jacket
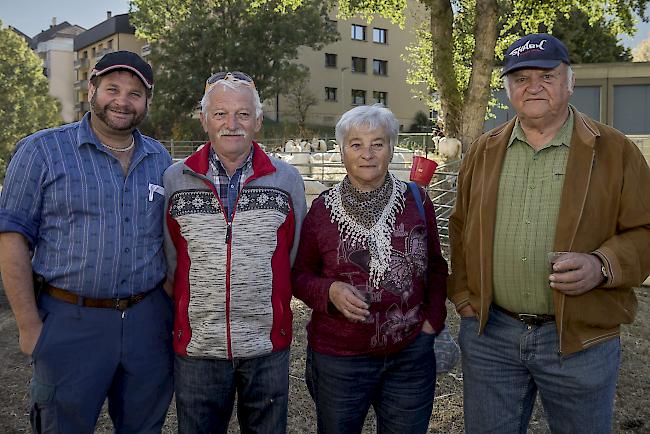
228	242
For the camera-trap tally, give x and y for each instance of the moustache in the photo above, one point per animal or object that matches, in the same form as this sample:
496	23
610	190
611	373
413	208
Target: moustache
237	132
119	109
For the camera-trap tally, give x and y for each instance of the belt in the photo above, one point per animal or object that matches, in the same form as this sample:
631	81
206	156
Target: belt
531	319
120	304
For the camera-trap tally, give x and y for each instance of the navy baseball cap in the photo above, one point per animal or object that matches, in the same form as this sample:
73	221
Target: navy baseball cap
124	60
539	50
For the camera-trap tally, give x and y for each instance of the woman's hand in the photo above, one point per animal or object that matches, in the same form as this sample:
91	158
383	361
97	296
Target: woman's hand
426	328
348	301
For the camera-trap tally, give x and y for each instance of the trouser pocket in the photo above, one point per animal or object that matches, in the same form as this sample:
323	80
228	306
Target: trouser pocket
42	414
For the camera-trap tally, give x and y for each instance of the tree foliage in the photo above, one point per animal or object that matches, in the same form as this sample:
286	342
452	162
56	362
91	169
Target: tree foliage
191	39
300	98
641	52
25	105
595	43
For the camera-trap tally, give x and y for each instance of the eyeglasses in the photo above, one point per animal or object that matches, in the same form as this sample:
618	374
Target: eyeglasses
232	76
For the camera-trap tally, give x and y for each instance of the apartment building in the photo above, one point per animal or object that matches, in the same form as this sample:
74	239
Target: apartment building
363	67
55	48
114	34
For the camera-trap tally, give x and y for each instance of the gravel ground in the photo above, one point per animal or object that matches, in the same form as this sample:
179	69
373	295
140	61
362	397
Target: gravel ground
632	413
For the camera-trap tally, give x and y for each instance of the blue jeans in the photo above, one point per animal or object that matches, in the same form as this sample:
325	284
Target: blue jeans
400	387
205	393
85	355
505	367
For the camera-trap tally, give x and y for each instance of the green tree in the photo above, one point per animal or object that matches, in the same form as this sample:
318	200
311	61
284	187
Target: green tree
595	43
300	98
641	52
455	55
25	105
192	39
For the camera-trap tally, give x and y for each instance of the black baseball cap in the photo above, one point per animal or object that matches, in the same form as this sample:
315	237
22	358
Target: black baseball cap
124	60
539	50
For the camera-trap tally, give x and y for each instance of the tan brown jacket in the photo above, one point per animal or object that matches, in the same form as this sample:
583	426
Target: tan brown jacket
605	209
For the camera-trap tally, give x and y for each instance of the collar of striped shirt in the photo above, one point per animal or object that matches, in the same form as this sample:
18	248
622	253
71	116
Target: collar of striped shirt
229	186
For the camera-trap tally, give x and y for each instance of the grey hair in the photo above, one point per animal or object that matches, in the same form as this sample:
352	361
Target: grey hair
569	77
233	85
371	116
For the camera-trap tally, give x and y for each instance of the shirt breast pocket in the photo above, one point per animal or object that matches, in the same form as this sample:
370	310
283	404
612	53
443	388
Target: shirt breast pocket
554	176
154	207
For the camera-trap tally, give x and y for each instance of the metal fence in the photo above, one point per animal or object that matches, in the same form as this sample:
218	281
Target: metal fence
182	148
327	169
442	191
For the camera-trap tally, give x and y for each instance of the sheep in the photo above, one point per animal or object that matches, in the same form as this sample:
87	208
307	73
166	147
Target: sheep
449	148
313	189
300	161
290	146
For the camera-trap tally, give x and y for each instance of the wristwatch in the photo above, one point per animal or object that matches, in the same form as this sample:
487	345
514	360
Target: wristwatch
603	271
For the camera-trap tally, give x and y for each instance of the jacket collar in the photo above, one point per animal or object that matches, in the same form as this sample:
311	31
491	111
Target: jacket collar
199	161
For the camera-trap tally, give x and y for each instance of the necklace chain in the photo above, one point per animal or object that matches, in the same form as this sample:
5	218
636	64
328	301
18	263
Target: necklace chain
128	148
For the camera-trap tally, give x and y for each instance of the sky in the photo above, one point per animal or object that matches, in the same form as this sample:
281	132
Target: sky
32	16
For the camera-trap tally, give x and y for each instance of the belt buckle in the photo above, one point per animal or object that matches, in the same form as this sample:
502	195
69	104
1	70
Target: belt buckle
121	304
529	318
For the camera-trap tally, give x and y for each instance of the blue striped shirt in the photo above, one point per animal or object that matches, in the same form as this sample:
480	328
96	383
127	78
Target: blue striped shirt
93	231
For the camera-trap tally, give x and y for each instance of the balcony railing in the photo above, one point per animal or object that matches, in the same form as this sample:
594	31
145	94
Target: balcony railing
81	85
81	63
103	51
82	107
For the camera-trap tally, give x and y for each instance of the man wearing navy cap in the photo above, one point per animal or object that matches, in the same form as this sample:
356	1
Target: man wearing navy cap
82	261
549	235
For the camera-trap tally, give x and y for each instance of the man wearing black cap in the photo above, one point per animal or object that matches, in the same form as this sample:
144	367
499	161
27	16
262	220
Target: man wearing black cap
82	261
550	233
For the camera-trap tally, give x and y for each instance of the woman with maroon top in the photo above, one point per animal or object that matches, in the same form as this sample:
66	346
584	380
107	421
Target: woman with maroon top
372	271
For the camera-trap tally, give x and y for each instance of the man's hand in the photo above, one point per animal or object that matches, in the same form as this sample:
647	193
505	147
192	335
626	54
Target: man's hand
576	273
28	336
16	267
467	311
347	299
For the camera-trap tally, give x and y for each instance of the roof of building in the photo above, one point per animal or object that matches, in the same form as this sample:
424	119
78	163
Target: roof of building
64	30
21	34
113	25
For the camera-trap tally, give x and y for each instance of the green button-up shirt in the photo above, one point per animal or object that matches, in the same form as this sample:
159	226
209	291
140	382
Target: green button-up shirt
530	189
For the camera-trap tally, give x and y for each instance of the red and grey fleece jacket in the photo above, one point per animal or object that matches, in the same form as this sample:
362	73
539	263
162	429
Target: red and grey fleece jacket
232	284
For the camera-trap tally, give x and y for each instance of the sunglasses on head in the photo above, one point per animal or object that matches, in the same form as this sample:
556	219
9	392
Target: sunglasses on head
233	76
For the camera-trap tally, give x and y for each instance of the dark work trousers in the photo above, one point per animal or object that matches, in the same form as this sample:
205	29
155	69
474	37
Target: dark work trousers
85	355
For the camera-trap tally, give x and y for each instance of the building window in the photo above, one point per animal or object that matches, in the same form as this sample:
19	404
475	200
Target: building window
358	97
359	64
109	44
330	94
380	97
93	51
379	67
358	32
379	35
330	60
85	54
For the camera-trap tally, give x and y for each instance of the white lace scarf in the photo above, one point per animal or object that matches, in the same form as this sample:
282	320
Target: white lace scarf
377	238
